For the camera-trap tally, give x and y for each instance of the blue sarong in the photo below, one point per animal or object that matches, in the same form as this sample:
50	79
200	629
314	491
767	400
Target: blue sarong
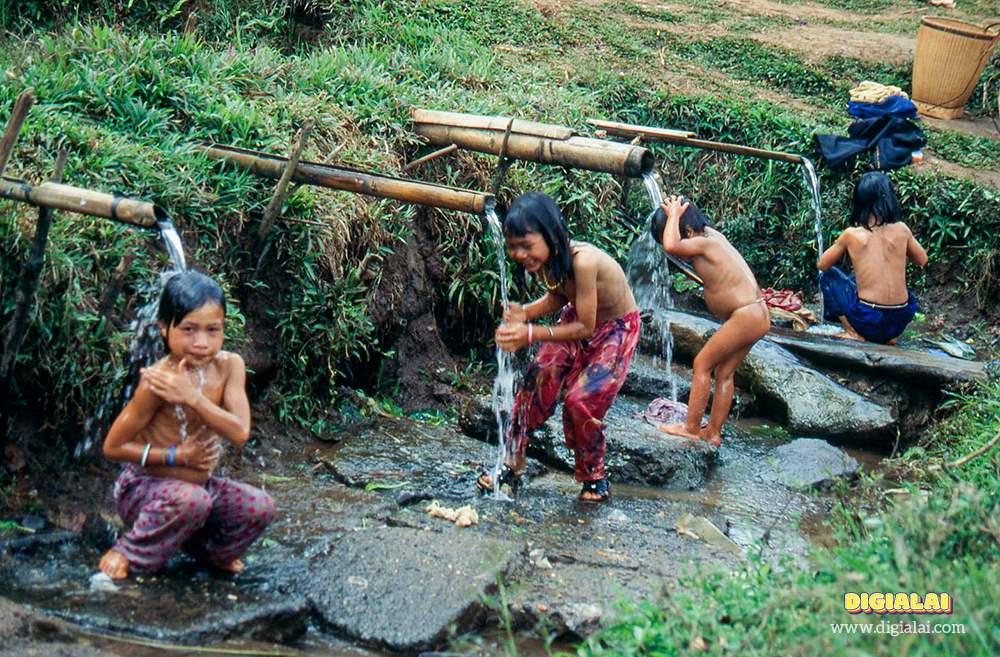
874	322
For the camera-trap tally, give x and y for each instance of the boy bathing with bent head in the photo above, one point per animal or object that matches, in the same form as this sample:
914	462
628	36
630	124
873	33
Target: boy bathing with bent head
874	304
168	435
732	294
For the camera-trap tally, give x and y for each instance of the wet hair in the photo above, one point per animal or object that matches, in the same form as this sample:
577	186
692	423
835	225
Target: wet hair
536	212
874	196
186	292
692	218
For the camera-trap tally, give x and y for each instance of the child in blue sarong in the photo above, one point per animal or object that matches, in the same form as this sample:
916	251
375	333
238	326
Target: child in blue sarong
874	304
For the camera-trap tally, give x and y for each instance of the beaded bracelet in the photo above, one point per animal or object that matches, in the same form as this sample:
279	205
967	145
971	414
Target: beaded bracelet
170	457
145	454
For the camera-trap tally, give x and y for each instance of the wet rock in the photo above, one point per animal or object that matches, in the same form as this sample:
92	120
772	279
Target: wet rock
912	365
181	604
637	452
578	619
702	528
35	523
807	401
808	462
410	460
406	589
31	542
648	379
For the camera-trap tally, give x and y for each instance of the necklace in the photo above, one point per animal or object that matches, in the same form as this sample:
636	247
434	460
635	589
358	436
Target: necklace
545	281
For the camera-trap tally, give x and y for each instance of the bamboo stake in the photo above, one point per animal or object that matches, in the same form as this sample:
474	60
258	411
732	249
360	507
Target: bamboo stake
25	298
451	148
683	138
84	201
13	129
114	288
281	189
353	180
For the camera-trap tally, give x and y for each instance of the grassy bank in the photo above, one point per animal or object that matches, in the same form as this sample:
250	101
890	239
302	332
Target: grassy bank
929	527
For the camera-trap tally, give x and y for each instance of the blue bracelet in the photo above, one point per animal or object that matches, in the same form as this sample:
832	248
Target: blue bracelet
170	456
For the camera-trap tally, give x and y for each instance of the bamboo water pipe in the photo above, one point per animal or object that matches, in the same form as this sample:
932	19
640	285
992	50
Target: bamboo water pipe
57	196
266	165
533	142
684	138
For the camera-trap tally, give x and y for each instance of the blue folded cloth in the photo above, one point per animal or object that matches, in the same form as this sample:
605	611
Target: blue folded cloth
892	106
874	322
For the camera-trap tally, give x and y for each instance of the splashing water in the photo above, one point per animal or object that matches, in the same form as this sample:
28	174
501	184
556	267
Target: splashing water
146	345
650	273
812	182
503	386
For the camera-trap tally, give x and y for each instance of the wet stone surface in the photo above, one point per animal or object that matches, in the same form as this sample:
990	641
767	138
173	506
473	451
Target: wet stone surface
407	589
410	458
372	568
637	452
808	462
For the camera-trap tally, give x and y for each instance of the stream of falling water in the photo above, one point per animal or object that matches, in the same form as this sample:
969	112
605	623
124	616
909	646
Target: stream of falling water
146	344
652	286
812	182
503	386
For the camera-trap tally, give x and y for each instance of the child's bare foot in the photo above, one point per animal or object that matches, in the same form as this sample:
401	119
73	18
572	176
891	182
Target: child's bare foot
847	335
114	565
715	440
679	429
234	566
892	342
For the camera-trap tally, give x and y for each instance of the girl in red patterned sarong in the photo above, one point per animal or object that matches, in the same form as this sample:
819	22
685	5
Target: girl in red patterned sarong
586	354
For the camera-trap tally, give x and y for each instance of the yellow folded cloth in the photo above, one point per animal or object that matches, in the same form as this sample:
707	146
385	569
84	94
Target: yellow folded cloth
875	92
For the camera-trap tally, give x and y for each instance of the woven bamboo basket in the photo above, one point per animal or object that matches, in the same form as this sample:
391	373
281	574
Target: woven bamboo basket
950	57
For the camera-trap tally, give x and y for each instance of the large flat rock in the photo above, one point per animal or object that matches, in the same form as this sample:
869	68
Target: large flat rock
637	452
181	604
809	402
912	365
407	589
410	458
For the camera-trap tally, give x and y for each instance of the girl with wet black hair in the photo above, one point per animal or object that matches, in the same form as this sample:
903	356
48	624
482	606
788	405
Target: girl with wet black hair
584	356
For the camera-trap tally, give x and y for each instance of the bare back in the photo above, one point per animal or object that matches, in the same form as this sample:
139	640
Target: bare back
173	424
614	296
729	283
879	259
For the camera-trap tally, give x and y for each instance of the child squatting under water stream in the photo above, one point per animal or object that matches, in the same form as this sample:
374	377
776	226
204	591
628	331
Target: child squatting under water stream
586	354
168	436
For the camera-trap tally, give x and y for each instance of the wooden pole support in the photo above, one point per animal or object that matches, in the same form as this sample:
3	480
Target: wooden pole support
684	138
13	129
266	165
25	298
451	148
281	189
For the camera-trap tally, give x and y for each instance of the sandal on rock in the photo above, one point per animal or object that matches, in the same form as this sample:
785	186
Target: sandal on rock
601	487
507	477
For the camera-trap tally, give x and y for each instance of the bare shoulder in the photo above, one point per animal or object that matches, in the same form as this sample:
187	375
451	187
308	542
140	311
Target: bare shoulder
901	228
230	362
